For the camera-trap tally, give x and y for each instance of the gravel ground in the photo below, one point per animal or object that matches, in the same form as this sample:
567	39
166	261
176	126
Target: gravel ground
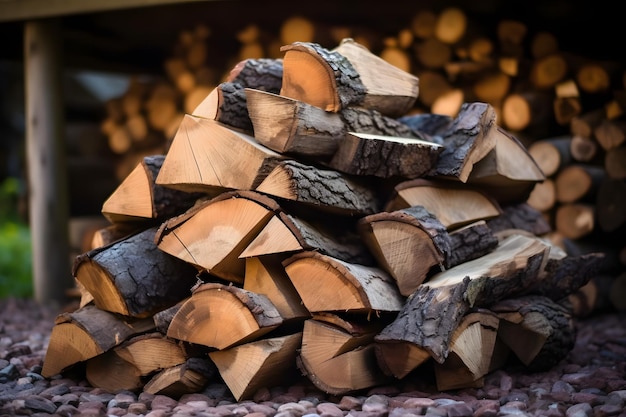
590	382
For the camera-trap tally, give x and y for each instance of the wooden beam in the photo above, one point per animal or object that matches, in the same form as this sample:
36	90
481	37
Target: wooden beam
15	10
47	181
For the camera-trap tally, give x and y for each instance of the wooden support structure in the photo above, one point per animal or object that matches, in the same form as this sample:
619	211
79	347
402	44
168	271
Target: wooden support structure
47	184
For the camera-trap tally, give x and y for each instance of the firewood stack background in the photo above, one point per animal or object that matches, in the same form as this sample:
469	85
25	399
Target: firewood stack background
277	219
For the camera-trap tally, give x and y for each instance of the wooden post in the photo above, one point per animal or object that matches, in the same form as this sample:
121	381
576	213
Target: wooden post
47	178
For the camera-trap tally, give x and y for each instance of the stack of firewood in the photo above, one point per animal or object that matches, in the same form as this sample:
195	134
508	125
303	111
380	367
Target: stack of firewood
304	223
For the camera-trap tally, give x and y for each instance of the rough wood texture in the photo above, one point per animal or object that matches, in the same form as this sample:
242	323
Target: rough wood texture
133	277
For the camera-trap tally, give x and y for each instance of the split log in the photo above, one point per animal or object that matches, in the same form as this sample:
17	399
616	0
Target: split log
139	199
349	75
538	330
266	275
85	334
329	284
578	182
285	233
214	158
520	216
409	243
471	351
322	189
263	363
227	104
508	171
551	154
124	366
441	198
187	378
466	140
212	235
133	277
338	356
385	156
222	316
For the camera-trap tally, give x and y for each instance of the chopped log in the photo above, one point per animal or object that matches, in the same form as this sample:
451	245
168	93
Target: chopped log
543	196
578	182
551	154
222	316
187	378
615	163
133	277
548	71
451	25
349	75
139	199
407	244
322	189
575	220
466	141
320	77
610	134
583	149
428	322
385	156
112	233
528	111
285	233
508	171
226	104
86	333
388	89
538	330
263	363
336	359
330	284
266	275
432	53
471	350
110	372
214	158
265	74
290	126
442	198
224	225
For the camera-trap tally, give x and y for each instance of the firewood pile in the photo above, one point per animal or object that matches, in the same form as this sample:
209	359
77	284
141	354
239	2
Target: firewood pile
305	222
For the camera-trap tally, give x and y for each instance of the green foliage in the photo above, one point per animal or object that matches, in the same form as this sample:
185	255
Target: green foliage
15	245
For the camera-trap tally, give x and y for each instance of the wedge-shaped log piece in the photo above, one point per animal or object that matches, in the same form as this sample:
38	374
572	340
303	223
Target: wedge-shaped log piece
227	104
322	189
286	233
266	275
222	316
388	89
263	363
411	243
508	171
85	334
407	244
472	348
319	77
213	234
336	359
290	126
151	352
540	331
385	156
432	313
111	372
207	156
187	378
452	204
466	140
329	284
133	277
139	199
520	216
